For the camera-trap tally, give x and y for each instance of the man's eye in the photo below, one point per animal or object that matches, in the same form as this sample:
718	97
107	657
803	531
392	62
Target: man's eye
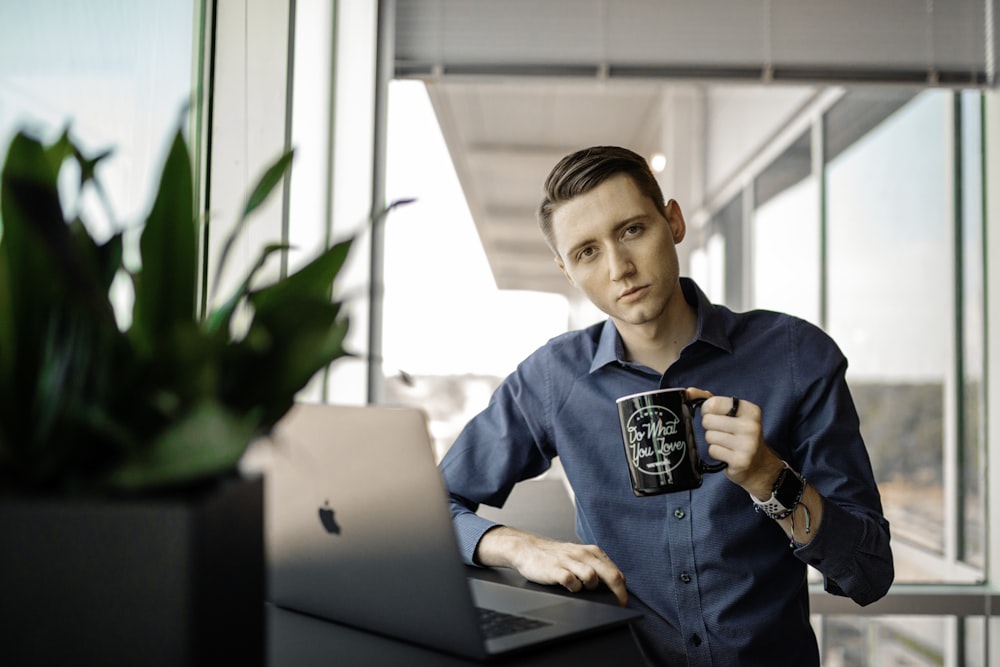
585	253
632	230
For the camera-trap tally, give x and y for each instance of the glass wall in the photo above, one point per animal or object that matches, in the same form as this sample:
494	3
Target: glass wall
884	236
449	334
118	74
786	235
891	308
883	230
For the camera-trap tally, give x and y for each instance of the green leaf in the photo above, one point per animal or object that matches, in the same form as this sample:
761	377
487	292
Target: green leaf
8	331
287	344
35	231
103	261
165	284
220	318
60	150
313	280
44	275
270	179
88	167
207	442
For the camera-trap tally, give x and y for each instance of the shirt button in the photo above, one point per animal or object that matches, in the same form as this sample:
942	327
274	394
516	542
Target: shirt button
696	640
679	513
685	577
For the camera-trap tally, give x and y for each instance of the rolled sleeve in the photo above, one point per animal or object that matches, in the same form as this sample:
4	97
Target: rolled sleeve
852	552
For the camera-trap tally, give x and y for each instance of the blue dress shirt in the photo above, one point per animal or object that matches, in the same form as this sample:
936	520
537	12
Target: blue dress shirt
717	581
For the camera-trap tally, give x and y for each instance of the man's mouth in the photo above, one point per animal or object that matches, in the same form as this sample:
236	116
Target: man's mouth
633	293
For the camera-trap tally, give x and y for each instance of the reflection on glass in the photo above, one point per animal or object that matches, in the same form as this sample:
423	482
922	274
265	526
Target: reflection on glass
890	302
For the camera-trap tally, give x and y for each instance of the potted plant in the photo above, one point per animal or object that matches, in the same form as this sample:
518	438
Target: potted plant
128	535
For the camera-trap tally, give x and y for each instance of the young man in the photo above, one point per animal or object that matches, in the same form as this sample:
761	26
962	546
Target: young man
719	572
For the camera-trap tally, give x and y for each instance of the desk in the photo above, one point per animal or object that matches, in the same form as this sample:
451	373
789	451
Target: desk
298	640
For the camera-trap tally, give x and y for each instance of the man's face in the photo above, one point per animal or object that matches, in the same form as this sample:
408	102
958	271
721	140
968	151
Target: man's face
617	247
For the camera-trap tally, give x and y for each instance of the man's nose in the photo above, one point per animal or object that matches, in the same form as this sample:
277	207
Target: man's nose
620	264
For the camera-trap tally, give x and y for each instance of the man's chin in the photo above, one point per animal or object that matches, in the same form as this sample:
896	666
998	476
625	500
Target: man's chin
632	318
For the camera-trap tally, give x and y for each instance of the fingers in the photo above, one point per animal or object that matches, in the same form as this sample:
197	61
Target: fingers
695	393
591	567
573	566
722	406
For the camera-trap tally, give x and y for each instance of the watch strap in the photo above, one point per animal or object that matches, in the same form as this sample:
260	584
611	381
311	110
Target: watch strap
785	494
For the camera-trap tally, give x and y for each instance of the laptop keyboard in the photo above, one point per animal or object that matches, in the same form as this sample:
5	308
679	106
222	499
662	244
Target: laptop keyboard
498	624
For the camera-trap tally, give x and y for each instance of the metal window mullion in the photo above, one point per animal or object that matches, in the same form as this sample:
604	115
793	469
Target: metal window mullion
818	153
953	380
286	188
385	54
747	243
959	310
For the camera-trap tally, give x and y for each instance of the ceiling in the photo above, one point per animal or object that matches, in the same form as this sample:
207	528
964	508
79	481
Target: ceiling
517	85
504	137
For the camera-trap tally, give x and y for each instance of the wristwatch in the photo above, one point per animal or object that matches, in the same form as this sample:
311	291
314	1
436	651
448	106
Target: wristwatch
785	494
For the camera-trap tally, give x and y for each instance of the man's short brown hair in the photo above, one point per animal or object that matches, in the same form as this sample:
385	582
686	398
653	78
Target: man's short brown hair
584	170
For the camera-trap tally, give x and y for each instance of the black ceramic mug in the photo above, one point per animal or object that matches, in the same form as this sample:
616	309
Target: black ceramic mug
659	442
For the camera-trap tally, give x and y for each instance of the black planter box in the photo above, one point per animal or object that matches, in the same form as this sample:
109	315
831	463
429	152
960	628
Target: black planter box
167	581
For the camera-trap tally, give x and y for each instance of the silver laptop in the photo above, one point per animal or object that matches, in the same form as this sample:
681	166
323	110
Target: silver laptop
358	531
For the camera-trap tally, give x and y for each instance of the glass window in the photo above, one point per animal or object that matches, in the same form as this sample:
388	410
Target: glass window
449	335
786	235
118	74
727	229
859	641
891	309
708	267
914	641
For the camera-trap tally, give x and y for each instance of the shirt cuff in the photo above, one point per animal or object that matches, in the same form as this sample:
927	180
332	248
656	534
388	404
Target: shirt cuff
469	529
835	549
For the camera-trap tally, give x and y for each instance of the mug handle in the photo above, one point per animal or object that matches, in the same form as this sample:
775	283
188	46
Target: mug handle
719	466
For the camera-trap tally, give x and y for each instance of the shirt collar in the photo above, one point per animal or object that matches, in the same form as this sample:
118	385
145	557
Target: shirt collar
711	328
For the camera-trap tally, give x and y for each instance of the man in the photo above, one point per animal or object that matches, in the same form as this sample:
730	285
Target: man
719	571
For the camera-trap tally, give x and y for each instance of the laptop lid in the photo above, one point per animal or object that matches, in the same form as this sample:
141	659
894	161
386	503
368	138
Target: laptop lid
358	531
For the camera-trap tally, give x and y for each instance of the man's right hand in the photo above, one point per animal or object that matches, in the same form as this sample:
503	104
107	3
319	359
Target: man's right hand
545	561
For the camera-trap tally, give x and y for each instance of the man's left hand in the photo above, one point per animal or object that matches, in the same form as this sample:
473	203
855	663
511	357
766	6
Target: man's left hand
739	441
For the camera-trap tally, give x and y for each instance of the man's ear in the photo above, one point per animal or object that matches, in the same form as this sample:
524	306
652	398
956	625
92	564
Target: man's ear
675	218
562	267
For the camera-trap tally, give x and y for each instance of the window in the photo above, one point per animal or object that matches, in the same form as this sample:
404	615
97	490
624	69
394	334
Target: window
118	74
885	239
892	308
450	335
786	235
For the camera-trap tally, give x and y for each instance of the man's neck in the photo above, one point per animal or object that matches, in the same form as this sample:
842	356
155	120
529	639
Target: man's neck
659	344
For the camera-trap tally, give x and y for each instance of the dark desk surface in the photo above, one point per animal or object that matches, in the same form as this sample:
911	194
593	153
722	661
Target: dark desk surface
297	640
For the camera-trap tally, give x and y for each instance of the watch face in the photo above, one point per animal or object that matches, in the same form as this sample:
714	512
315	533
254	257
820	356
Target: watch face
787	488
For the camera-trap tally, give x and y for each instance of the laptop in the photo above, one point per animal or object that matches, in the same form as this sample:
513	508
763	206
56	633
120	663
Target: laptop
358	531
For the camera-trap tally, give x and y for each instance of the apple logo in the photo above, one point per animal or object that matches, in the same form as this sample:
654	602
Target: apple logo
328	520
